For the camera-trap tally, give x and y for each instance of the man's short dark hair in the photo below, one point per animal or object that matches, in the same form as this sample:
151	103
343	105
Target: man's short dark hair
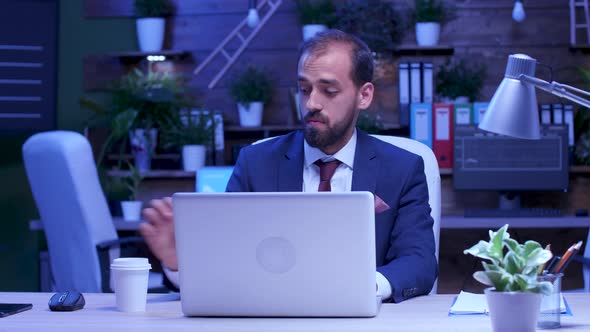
360	55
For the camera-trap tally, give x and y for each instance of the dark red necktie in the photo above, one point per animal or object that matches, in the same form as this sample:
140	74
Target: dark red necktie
327	170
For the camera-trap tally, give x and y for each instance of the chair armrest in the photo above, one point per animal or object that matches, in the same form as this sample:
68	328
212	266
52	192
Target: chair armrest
102	250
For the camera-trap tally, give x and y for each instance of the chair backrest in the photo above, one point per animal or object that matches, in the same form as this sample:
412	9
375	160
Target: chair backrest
432	173
72	206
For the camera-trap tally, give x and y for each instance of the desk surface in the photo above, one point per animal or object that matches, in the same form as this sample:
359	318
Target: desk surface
447	222
426	313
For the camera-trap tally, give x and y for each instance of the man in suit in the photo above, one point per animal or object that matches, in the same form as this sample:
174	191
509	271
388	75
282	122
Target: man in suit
334	77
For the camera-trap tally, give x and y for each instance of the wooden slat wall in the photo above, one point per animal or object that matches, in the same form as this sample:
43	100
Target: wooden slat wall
484	32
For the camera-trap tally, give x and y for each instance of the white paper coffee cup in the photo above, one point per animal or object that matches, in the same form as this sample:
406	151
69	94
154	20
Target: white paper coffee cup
130	275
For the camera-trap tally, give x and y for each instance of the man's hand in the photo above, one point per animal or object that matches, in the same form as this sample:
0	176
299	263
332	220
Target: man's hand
158	231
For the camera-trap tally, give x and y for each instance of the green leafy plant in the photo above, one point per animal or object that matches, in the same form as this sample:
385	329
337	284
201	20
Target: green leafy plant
188	128
512	266
370	122
132	181
315	11
376	22
458	78
250	85
153	8
138	100
433	11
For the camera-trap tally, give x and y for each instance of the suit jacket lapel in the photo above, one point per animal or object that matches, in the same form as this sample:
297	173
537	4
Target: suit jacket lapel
291	166
364	175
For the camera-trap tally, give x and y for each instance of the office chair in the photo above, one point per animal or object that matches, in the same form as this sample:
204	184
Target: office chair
432	180
74	213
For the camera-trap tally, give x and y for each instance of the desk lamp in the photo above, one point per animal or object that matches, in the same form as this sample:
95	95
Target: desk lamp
513	109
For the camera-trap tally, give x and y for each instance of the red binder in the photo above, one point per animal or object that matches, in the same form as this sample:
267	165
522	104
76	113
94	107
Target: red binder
442	142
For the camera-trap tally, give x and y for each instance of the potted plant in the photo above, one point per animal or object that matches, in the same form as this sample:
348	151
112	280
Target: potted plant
192	132
429	15
151	23
140	103
511	269
132	207
376	22
315	16
457	79
251	89
369	122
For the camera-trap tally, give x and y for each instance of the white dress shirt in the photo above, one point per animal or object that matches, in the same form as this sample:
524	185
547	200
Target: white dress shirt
341	182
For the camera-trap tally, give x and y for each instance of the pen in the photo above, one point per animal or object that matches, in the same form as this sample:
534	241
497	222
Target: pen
567	257
542	266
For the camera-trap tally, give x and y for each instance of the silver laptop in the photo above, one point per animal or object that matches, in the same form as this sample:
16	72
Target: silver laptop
276	254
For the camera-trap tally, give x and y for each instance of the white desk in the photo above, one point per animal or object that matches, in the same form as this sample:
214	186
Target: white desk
426	313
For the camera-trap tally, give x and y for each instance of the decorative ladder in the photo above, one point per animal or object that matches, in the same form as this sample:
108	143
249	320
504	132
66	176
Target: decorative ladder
243	38
574	5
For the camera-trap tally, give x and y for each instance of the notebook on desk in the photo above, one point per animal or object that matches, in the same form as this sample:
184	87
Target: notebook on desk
276	254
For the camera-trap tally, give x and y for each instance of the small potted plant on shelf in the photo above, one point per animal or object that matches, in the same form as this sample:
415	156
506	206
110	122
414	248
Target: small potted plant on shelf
315	16
459	81
429	16
151	23
140	101
191	131
132	207
251	89
511	269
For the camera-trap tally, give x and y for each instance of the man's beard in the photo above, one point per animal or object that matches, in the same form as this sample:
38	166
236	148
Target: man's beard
322	139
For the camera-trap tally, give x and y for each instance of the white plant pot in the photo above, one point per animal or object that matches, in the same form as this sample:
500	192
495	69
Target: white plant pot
251	114
310	30
143	145
131	210
150	33
513	311
193	157
427	33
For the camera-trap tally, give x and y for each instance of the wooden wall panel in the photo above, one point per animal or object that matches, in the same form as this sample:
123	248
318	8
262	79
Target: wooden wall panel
110	8
483	32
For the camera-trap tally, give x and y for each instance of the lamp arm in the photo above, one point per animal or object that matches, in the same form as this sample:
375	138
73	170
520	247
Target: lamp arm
558	89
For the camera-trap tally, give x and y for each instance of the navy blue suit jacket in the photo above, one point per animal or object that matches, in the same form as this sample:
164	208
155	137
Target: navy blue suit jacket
404	238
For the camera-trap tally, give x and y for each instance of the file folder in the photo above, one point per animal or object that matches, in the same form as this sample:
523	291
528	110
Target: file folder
415	83
463	114
557	114
427	85
479	109
546	114
442	144
421	123
568	119
404	93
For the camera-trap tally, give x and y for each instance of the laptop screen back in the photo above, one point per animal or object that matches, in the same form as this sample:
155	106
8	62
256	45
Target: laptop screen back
276	254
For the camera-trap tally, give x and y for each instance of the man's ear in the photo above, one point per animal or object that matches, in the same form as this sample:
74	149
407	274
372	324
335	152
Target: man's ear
365	95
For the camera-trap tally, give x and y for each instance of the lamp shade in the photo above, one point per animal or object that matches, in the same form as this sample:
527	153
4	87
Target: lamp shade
513	109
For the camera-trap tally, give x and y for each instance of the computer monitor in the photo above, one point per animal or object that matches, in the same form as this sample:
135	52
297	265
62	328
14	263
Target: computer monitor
487	161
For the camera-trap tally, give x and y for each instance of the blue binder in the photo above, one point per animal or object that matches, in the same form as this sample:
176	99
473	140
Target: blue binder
421	123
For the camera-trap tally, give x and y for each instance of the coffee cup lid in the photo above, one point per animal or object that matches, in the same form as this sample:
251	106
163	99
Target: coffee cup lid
131	263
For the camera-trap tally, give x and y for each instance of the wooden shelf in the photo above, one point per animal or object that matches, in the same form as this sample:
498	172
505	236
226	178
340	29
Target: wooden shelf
413	50
582	48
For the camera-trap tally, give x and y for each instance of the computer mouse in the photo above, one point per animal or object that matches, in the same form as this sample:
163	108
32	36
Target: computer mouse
67	301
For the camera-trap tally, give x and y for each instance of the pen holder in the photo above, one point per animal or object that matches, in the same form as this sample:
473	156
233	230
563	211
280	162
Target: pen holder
550	312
